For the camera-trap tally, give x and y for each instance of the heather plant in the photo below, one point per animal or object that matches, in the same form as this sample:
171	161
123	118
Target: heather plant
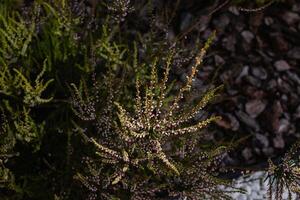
285	175
15	37
154	147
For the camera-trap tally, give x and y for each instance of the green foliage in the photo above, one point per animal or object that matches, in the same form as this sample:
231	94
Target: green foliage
32	93
26	129
15	37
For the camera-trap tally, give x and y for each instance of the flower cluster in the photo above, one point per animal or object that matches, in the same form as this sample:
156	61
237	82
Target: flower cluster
155	121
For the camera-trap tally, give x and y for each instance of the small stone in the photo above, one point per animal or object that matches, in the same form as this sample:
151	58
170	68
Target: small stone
253	81
272	84
232	92
269	21
254	93
294	53
247	153
284	98
275	115
282	65
235	125
278	142
280	43
246	119
234	10
248	36
290	17
255	107
283	86
283	127
294	77
263	140
257	151
259	72
244	72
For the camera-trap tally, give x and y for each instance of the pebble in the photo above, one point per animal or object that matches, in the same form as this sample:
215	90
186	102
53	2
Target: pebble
283	126
245	118
234	10
248	36
235	125
259	72
282	65
247	153
269	21
255	107
253	81
244	72
294	53
272	84
278	142
290	17
294	77
262	139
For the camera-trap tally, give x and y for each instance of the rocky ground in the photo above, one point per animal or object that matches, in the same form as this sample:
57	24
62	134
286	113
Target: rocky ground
256	56
256	188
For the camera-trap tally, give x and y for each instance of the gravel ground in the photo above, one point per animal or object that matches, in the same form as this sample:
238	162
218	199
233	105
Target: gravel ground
255	188
256	56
